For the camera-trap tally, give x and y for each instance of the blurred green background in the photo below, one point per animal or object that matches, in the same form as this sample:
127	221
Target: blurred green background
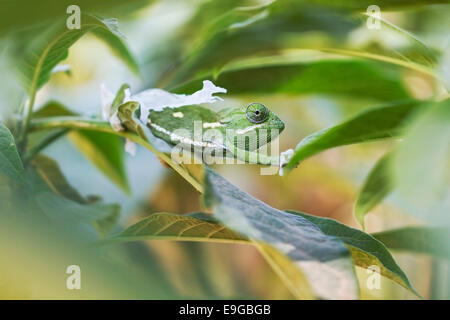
175	45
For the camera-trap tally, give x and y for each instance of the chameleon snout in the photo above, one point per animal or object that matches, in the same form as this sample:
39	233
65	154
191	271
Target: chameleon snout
276	123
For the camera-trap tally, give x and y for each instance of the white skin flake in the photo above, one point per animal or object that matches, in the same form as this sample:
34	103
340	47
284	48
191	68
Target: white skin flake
158	99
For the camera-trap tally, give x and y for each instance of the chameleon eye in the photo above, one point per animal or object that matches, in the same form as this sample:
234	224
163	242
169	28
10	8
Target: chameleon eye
257	113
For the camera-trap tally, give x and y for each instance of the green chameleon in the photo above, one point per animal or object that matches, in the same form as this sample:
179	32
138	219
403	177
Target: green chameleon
236	132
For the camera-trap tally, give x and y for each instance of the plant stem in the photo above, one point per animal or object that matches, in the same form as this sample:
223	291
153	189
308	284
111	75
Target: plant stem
80	123
26	123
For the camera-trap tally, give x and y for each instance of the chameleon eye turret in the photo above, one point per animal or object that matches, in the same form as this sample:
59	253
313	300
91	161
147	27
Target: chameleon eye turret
257	113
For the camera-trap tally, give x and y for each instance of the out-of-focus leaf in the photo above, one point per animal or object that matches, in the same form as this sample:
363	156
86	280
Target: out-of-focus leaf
22	14
425	155
384	4
62	209
105	151
366	250
78	218
267	29
96	125
112	37
203	227
252	31
106	225
10	163
377	186
295	281
303	72
53	109
53	185
50	172
38	57
428	240
377	123
323	260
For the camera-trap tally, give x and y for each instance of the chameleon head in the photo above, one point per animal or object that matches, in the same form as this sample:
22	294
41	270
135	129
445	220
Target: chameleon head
254	120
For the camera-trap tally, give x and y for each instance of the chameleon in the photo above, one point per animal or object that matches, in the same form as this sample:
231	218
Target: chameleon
236	132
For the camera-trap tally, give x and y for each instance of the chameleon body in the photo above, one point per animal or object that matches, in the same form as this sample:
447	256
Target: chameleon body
235	132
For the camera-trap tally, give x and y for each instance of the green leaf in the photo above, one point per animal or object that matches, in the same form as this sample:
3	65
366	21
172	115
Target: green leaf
429	240
374	124
100	126
118	100
62	209
50	172
57	184
78	219
53	109
203	227
425	153
10	163
167	226
384	4
113	38
105	151
323	260
106	225
43	53
377	186
303	72
366	250
20	14
243	32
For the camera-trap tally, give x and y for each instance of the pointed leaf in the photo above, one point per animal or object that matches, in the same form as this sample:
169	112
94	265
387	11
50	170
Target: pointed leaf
429	240
377	186
105	151
374	124
39	57
366	250
51	173
421	165
324	260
